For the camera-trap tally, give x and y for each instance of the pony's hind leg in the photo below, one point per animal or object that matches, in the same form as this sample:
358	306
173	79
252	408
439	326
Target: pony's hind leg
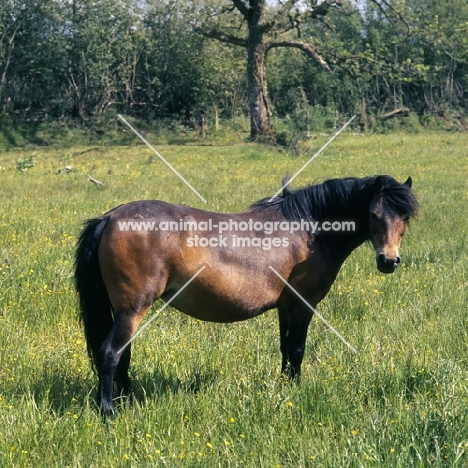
109	358
121	378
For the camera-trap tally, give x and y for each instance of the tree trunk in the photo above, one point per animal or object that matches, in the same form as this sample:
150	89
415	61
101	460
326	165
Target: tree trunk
260	121
285	19
5	64
216	117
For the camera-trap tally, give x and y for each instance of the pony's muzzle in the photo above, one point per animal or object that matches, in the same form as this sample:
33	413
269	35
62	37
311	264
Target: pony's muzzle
387	264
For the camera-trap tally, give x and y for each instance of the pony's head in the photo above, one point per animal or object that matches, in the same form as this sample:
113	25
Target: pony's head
390	211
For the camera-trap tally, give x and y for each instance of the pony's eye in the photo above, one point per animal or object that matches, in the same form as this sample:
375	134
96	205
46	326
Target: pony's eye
374	215
406	219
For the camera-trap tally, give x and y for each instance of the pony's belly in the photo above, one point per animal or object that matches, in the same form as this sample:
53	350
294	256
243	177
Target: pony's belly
223	292
220	313
222	306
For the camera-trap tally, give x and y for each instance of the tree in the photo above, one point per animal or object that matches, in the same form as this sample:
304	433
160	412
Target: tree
104	46
415	57
264	28
9	25
32	58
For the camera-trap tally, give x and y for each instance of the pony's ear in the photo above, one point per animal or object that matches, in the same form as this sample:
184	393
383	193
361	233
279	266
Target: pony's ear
409	182
379	183
284	182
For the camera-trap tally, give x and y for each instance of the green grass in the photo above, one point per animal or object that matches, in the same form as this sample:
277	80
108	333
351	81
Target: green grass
210	395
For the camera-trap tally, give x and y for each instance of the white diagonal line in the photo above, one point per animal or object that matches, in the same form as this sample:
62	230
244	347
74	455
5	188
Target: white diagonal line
312	158
162	159
313	310
161	309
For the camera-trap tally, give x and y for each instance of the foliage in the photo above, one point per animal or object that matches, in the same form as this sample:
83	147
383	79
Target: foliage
23	164
83	58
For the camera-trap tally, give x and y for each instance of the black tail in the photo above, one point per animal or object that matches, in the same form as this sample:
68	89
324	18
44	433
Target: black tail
96	312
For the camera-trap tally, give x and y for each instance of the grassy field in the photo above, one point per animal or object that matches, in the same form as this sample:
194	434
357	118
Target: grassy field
210	395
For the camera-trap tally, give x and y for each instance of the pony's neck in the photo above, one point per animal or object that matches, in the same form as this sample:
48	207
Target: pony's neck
339	245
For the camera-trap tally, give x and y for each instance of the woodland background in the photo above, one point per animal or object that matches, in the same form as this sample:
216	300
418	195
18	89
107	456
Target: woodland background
82	61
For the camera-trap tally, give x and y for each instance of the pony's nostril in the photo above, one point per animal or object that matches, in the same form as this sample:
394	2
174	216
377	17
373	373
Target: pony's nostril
398	260
381	258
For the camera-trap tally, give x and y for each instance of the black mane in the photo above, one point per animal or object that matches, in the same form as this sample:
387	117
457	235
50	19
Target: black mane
341	198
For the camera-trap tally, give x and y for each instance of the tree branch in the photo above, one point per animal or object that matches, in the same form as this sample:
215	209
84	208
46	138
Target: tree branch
220	36
322	9
241	7
314	13
95	181
309	49
434	47
280	17
392	9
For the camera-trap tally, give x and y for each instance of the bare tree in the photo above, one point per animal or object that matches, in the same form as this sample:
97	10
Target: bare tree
10	23
263	28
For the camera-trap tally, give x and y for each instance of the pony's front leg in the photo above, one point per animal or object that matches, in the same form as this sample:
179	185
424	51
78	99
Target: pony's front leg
299	319
284	324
